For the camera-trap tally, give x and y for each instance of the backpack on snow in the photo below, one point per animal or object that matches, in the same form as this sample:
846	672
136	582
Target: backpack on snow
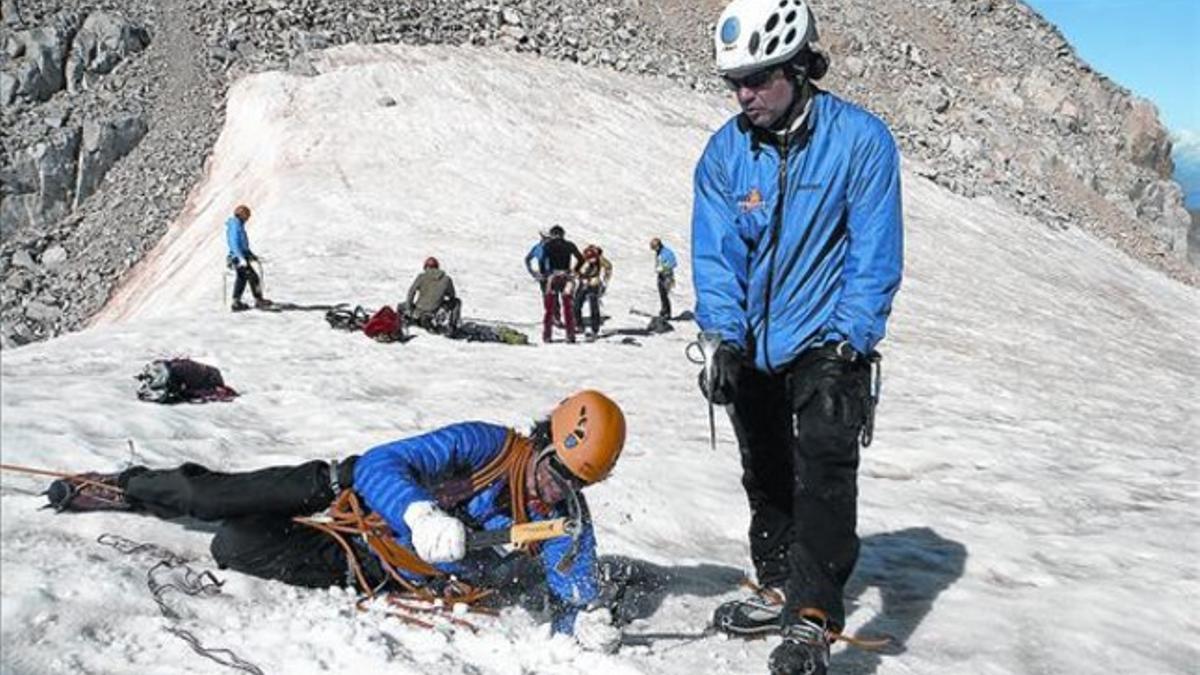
385	325
344	318
478	332
177	380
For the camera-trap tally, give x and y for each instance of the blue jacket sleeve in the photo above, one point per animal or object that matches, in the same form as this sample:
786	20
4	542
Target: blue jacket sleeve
720	258
392	476
580	585
534	255
874	260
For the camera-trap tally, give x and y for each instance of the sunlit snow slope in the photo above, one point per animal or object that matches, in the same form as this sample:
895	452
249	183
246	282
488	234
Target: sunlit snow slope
1029	505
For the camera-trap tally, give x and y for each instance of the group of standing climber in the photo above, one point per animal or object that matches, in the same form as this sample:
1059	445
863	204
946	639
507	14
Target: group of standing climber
796	257
570	280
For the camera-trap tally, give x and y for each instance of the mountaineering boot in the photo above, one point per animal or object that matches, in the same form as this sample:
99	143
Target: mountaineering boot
805	646
261	303
239	306
756	614
88	492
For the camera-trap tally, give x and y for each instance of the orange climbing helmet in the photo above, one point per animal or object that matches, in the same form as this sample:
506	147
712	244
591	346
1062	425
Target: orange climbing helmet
587	432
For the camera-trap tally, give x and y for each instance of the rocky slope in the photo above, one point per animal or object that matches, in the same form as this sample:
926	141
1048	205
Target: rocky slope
109	111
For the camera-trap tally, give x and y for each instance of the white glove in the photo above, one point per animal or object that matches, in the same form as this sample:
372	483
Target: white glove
595	631
436	536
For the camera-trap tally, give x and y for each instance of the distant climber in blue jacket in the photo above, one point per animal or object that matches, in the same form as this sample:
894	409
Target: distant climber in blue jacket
796	256
239	258
428	496
664	272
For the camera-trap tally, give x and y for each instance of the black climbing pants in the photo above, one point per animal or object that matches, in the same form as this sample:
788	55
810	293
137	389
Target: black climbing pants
666	280
590	296
798	431
246	274
257	535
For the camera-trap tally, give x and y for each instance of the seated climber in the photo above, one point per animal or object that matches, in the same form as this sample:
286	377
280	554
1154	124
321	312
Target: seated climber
432	303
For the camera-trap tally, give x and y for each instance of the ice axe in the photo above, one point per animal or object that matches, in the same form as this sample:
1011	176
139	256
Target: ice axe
524	533
707	343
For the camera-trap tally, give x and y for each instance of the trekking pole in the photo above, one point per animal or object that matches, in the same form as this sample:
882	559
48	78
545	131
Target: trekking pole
707	343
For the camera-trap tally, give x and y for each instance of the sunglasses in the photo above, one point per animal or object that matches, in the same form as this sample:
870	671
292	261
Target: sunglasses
754	80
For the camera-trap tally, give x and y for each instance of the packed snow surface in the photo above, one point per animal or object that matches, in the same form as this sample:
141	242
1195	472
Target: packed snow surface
1029	504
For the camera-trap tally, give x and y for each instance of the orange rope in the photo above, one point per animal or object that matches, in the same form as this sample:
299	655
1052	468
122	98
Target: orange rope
348	518
59	474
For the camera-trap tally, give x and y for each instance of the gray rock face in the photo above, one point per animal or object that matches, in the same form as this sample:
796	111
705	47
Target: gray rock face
40	74
1146	141
1161	202
103	144
101	43
39	188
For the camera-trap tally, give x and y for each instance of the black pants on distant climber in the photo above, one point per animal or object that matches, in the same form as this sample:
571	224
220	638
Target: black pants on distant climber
246	274
798	432
257	535
590	296
665	282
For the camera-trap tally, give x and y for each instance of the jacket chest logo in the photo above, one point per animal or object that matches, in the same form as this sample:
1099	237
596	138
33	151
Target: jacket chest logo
753	200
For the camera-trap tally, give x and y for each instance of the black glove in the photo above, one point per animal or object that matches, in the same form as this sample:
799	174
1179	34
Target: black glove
727	369
835	377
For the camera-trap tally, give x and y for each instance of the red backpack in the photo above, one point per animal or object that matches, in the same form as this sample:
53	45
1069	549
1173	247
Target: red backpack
385	325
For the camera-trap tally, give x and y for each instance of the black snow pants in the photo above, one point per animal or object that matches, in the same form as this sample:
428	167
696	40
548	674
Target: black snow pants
798	431
257	535
590	296
246	274
666	280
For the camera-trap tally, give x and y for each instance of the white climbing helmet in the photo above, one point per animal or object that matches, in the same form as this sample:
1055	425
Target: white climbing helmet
755	34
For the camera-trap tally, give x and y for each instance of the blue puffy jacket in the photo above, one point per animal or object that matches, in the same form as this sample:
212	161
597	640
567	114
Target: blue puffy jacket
789	254
235	237
392	476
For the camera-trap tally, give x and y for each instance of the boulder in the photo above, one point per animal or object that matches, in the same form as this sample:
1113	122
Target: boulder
103	144
1144	139
1160	202
8	89
54	256
101	43
40	186
40	72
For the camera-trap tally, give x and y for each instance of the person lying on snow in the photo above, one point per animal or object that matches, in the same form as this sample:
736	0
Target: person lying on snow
428	490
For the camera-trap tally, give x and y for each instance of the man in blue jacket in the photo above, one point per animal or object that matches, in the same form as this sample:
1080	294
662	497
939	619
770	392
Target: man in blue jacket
796	256
664	271
430	492
540	273
239	258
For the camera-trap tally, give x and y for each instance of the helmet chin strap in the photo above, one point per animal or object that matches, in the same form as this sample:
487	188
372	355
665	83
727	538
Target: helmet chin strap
574	507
